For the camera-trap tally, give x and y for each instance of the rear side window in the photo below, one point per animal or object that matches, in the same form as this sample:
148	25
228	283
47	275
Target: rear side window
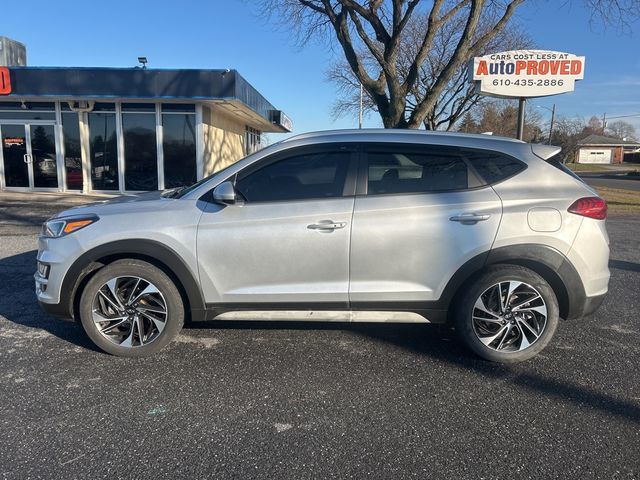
416	172
301	177
493	167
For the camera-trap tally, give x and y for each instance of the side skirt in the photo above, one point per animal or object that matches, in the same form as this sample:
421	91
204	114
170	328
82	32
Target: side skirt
324	313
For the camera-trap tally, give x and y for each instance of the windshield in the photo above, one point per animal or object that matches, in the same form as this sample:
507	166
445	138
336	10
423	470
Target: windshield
182	191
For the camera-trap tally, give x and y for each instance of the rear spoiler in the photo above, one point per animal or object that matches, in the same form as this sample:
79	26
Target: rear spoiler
545	152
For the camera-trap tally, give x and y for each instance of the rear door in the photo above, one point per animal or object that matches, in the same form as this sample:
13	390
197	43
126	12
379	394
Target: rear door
289	242
421	212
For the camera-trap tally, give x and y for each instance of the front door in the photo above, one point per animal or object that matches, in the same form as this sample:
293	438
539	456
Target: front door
288	243
29	156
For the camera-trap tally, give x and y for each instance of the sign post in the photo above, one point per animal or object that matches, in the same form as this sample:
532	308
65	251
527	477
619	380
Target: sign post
522	105
525	74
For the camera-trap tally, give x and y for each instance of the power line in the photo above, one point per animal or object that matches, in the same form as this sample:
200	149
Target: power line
625	116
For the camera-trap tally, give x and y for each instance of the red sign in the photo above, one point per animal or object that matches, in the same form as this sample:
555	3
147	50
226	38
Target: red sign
9	141
5	81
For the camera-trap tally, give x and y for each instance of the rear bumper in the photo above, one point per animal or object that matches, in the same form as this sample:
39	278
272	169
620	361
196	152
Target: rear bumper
591	304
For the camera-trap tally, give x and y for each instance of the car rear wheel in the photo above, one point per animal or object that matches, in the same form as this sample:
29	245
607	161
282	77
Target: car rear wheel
131	308
508	315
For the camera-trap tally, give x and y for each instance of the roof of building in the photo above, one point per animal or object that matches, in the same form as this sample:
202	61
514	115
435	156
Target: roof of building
600	140
227	88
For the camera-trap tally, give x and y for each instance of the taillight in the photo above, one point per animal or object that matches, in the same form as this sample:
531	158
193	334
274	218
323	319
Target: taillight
592	207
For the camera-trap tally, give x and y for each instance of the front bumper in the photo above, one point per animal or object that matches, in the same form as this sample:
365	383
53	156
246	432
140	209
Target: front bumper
57	310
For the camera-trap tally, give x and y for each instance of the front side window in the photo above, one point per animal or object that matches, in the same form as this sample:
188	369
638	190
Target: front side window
301	177
411	172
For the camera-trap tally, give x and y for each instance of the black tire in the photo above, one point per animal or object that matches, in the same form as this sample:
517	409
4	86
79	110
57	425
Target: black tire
465	309
134	268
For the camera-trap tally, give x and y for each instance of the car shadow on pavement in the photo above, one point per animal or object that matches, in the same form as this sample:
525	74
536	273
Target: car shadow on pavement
440	343
19	306
518	375
624	265
18	303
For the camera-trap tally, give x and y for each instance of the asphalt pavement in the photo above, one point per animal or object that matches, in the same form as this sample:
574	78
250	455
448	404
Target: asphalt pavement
612	181
305	400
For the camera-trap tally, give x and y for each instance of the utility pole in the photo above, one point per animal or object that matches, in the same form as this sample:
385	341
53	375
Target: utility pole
604	122
360	111
553	114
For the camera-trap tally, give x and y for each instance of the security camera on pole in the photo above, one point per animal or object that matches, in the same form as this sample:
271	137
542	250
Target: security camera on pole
525	74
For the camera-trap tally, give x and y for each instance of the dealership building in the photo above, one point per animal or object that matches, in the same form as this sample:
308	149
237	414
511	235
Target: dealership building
120	130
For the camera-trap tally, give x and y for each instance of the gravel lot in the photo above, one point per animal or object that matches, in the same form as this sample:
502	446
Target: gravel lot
281	400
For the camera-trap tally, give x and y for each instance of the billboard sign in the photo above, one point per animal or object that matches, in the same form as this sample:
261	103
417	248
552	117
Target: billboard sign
526	73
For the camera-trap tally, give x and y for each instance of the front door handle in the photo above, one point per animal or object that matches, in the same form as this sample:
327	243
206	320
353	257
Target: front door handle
327	225
469	218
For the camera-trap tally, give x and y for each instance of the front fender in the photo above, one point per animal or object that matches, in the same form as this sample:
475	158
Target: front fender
155	252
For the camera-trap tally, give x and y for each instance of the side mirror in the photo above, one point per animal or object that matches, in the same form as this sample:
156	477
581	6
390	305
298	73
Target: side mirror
225	194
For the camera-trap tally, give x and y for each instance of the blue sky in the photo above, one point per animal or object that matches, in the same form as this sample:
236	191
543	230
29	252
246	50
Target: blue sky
230	34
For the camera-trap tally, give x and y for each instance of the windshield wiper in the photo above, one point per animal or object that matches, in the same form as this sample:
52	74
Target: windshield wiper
173	193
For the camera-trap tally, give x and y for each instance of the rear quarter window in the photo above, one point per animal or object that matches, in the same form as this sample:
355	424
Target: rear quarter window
556	161
494	167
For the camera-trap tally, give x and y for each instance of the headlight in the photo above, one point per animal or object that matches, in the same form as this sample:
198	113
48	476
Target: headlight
58	227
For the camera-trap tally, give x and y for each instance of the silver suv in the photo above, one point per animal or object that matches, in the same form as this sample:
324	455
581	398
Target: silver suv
487	233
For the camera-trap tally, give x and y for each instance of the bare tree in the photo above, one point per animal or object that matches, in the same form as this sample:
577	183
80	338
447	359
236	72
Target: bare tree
621	13
380	28
566	134
459	95
498	117
593	127
622	130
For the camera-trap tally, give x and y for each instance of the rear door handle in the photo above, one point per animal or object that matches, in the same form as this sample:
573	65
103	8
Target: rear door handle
327	225
469	218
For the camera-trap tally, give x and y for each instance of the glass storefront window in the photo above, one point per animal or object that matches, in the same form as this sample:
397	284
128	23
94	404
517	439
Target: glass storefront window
140	151
178	108
72	152
14	149
27	111
139	107
26	115
179	146
43	156
253	140
38	106
103	153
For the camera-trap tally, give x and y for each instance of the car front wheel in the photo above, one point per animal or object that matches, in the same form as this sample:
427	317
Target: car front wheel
508	315
131	308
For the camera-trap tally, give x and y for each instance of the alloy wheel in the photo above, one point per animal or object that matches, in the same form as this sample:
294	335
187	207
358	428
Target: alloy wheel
509	316
129	311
